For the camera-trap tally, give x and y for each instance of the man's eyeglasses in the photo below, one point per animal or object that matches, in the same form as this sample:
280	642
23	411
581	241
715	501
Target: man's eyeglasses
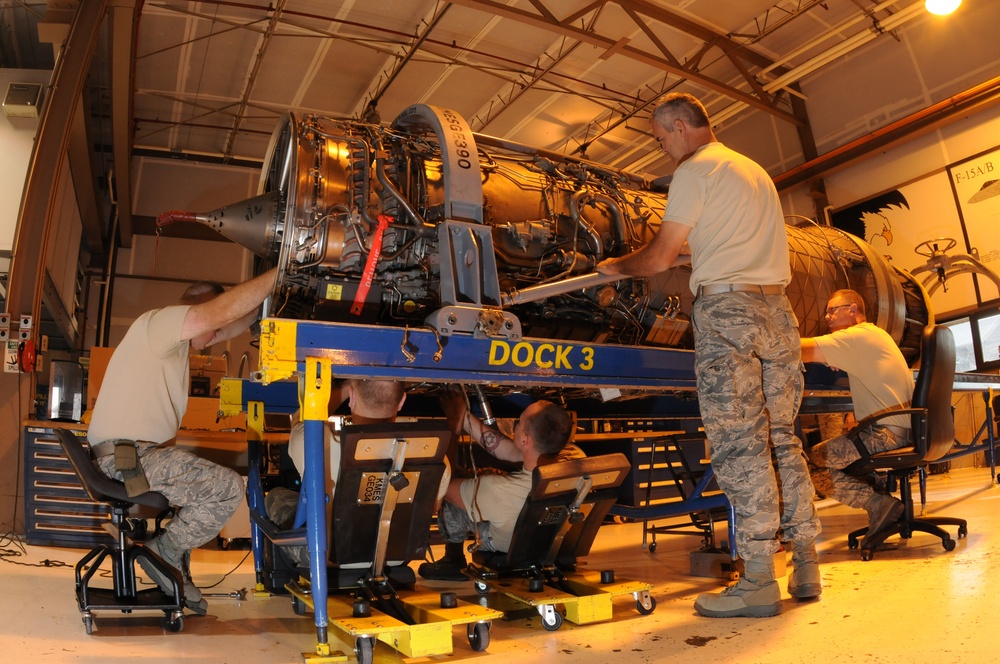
831	310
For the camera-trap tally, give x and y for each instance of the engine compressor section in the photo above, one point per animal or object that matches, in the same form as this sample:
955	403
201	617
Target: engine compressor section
425	223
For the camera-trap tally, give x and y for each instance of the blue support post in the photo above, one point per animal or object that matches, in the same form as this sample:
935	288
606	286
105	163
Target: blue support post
255	487
315	409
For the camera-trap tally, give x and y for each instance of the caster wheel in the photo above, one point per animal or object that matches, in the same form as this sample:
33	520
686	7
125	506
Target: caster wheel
962	532
552	622
88	624
364	649
479	636
867	554
481	587
298	606
174	624
642	609
652	547
852	542
949	544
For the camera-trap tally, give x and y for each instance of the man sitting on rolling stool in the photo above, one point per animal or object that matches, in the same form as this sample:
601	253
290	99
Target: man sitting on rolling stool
142	401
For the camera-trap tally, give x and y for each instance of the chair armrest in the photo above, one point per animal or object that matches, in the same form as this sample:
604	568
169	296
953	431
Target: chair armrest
854	434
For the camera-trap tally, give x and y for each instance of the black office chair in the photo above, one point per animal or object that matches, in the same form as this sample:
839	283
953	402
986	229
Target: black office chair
933	431
128	523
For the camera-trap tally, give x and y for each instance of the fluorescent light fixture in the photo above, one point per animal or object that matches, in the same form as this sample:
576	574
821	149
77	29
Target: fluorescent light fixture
942	7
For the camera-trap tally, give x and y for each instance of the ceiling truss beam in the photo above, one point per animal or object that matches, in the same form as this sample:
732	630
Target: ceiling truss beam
662	59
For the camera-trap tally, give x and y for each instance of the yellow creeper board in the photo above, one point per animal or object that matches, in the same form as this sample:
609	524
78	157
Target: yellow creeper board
431	635
596	598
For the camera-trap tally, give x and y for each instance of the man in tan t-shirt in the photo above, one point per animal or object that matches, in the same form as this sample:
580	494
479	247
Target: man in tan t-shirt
370	401
486	506
142	401
724	209
880	381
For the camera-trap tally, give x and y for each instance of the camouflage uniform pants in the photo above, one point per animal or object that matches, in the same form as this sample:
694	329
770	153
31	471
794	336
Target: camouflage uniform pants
281	504
749	371
831	456
206	493
455	526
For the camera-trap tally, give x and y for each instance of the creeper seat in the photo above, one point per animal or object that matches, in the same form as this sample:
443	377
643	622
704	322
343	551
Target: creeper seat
557	525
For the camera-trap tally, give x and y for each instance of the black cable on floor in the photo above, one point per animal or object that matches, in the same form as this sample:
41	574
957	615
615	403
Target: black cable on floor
226	575
12	547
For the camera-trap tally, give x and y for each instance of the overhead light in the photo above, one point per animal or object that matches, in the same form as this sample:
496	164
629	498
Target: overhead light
942	7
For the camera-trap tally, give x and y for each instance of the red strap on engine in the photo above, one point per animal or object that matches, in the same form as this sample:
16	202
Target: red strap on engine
369	273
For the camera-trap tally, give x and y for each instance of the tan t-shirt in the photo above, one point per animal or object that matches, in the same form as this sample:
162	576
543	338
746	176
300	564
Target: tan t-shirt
499	499
880	379
144	393
737	227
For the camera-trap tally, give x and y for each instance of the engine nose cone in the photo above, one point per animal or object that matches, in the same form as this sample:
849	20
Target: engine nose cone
252	223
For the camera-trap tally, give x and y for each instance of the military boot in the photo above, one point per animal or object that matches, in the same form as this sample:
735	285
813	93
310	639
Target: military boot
180	561
804	582
755	595
883	511
450	567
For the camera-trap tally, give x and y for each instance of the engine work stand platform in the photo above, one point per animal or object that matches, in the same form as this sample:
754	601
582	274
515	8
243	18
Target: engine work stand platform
652	380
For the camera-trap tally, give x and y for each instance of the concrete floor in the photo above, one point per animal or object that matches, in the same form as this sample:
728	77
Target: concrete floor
912	603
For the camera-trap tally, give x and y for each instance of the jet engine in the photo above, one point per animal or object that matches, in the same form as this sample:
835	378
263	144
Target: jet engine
425	223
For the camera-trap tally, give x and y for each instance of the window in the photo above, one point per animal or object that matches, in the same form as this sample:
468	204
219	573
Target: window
965	351
988	327
977	340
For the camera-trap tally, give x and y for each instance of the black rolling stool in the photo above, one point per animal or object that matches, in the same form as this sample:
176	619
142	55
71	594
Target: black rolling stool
127	529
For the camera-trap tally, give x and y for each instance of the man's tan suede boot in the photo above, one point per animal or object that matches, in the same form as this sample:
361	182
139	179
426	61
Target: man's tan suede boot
804	582
755	595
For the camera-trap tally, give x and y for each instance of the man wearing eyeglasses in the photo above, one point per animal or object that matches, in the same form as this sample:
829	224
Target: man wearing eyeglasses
880	381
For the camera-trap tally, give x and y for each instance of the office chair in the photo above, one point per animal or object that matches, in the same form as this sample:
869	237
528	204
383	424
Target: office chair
127	525
933	432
